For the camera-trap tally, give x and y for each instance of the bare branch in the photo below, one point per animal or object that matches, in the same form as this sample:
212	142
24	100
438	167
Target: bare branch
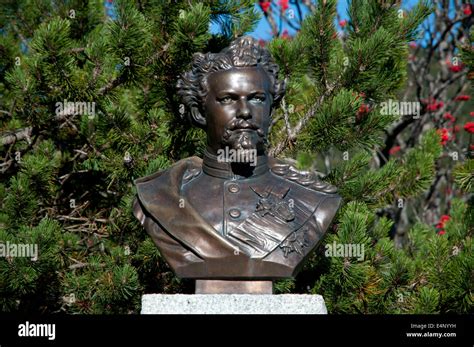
18	135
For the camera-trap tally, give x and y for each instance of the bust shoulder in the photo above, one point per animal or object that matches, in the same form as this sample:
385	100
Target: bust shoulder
308	179
182	166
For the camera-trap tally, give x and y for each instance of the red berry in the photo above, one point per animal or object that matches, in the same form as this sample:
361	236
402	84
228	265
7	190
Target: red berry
462	98
469	127
394	150
466	9
264	5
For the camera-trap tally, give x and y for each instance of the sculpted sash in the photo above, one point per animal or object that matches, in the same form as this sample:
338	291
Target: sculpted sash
162	199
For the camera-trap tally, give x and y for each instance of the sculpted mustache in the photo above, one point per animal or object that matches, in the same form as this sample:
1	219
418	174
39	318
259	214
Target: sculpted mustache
228	133
241	124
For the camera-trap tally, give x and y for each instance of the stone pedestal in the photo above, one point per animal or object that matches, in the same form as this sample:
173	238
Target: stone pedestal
233	287
233	304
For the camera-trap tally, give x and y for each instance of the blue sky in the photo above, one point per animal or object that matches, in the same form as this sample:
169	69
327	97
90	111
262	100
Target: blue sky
263	31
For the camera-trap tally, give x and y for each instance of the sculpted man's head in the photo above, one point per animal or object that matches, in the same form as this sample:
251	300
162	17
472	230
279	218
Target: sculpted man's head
244	223
231	95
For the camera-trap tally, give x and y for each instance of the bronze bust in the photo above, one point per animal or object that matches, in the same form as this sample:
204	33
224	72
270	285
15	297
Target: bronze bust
236	214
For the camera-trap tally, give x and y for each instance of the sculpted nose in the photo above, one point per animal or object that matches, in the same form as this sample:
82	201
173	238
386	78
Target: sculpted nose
244	111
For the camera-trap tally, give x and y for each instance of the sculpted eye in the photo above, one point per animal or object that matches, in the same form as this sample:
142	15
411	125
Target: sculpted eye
258	98
225	100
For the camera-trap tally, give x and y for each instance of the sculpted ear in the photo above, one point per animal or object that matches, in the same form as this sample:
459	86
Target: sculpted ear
198	118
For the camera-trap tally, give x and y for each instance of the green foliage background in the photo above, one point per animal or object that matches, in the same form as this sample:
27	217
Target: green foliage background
67	184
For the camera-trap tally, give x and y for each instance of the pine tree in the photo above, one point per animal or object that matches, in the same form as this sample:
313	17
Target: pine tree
89	104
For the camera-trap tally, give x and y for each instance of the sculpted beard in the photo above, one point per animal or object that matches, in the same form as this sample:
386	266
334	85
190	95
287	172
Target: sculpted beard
244	137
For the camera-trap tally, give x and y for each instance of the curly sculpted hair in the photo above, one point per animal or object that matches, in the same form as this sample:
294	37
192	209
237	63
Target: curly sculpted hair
242	52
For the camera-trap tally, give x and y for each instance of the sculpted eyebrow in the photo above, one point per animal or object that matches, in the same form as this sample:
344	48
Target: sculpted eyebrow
232	92
226	92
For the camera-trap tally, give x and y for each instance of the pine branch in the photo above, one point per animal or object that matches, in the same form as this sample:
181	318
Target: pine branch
392	136
293	133
20	35
17	135
112	84
25	133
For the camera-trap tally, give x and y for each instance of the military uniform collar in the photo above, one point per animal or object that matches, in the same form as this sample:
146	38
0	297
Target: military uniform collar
217	168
